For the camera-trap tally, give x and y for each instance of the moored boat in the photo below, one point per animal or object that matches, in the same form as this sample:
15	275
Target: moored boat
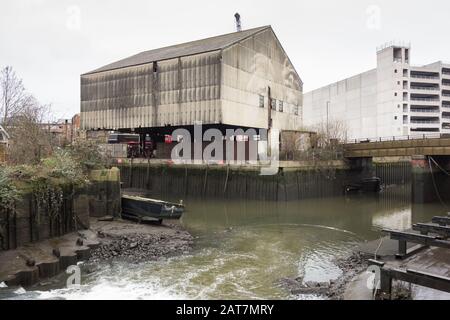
150	209
365	185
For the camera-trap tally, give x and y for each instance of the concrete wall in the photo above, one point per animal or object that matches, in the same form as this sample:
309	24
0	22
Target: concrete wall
352	101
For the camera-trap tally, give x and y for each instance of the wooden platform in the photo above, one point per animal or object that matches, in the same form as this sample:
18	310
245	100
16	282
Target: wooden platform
422	255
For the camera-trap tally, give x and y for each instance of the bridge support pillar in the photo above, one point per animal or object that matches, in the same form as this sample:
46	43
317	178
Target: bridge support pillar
364	166
429	183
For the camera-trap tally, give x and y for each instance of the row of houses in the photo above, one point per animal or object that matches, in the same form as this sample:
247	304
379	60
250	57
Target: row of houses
62	132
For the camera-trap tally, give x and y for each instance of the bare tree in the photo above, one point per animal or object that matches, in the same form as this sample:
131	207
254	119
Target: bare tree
30	141
331	133
14	98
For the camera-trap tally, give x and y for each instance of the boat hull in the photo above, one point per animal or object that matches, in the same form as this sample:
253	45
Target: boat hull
150	209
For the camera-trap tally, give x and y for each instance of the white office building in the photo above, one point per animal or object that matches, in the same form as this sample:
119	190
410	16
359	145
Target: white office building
394	99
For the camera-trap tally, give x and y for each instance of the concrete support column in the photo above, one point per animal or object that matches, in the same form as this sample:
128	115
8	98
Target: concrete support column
420	177
430	183
363	168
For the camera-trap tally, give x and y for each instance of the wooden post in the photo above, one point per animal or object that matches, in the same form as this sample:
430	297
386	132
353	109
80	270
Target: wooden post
402	247
205	180
385	281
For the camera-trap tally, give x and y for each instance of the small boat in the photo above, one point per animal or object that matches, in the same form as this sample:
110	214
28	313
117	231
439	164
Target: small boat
371	184
365	185
146	209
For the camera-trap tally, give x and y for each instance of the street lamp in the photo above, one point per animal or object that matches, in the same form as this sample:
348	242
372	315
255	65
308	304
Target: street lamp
328	125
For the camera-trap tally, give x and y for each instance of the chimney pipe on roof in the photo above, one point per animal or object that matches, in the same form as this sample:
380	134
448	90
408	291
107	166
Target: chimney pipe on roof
238	22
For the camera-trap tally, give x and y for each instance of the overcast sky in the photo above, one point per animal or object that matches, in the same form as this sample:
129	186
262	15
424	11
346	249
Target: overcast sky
51	42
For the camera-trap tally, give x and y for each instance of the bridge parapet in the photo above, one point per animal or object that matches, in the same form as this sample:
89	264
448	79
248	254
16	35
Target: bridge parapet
396	147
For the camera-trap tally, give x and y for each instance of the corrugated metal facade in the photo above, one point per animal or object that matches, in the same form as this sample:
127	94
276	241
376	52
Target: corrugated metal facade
222	86
249	68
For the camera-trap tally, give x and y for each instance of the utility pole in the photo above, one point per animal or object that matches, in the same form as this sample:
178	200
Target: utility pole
328	124
269	120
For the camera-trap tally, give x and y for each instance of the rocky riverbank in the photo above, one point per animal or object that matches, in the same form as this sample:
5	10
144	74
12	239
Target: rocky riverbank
41	261
120	239
351	266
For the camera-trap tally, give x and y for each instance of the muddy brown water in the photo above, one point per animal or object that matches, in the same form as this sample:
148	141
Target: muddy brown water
243	248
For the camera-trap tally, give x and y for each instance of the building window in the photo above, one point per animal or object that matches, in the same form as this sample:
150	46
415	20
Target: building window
395	118
405	72
395	71
274	104
296	110
280	106
395	94
261	101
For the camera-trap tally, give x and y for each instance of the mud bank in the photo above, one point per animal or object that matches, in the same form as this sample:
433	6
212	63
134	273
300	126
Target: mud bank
38	262
351	266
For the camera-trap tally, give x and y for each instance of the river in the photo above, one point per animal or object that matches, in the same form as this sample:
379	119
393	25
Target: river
243	248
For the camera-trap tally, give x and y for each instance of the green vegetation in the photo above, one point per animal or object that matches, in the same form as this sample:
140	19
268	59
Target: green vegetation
8	191
65	168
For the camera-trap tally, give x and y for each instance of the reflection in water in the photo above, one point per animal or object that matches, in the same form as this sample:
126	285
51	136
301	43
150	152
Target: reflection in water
243	248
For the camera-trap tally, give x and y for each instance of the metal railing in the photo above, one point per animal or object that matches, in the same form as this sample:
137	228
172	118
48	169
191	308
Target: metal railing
425	99
425	88
420	76
418	136
425	121
425	110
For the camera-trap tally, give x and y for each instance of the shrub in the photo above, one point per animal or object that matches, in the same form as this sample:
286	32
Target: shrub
8	191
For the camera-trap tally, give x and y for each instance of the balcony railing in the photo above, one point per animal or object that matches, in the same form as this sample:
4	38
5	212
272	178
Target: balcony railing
425	121
421	76
425	99
425	110
425	88
446	94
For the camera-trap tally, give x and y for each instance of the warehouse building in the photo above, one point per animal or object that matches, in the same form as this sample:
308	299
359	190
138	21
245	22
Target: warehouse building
242	79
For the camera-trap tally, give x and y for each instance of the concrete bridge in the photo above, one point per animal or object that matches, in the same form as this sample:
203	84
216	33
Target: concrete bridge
425	145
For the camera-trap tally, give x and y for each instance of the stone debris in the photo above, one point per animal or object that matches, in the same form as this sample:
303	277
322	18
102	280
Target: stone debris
141	247
334	289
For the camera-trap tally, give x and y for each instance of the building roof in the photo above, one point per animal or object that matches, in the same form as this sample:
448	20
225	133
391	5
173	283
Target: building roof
181	50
